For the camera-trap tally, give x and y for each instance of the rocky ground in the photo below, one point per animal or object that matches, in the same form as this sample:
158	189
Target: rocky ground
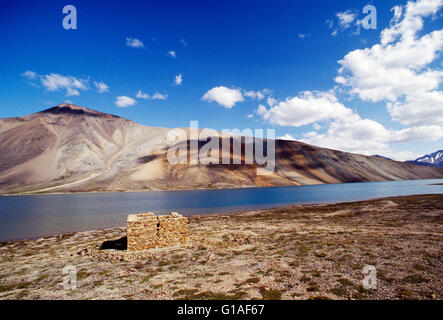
296	252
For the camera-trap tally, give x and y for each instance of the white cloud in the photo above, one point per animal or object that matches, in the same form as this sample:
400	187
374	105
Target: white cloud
426	108
399	70
421	133
250	116
72	85
29	74
124	101
347	131
379	74
224	96
366	136
267	91
271	101
414	12
159	96
307	108
261	110
302	36
156	96
254	94
237	94
330	24
172	54
346	18
101	87
397	66
178	79
141	95
134	43
287	136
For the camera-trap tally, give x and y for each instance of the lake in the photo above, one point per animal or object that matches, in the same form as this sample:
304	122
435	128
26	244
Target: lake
34	216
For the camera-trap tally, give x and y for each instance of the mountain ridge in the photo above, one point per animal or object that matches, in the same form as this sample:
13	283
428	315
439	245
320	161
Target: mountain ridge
69	148
434	159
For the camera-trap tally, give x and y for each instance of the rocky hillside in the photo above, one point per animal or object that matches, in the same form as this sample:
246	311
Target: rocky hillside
69	148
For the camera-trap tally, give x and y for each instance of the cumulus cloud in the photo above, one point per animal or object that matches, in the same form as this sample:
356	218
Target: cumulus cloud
287	136
271	101
423	133
224	96
307	108
101	87
172	54
134	43
124	101
376	75
254	94
159	96
142	95
397	70
414	12
347	131
55	82
29	74
343	21
400	71
302	35
156	96
261	110
178	79
422	109
366	136
346	18
397	66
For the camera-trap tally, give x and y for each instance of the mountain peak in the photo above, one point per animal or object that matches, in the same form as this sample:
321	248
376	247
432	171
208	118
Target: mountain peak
432	160
69	105
72	148
72	109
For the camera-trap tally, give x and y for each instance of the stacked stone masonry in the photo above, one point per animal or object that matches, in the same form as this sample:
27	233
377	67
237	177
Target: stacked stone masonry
148	231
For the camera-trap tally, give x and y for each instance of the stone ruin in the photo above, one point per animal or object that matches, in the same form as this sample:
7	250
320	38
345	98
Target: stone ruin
148	231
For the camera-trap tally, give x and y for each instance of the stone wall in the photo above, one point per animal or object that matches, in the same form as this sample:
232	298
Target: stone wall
148	231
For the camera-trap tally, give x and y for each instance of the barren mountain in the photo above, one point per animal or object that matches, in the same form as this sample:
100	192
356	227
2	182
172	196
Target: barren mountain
70	148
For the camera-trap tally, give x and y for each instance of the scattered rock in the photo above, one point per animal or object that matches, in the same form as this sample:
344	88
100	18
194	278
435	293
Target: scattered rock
240	238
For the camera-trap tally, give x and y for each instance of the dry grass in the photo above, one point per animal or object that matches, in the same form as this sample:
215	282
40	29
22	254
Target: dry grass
296	252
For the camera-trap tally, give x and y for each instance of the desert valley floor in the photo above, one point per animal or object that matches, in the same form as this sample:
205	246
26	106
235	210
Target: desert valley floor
295	252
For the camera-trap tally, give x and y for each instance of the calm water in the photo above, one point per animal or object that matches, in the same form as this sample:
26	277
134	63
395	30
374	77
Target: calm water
33	216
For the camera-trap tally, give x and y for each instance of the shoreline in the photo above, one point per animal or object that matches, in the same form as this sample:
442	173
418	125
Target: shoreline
293	252
31	193
229	213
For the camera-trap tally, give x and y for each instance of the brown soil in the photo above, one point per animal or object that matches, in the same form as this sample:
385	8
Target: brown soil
296	252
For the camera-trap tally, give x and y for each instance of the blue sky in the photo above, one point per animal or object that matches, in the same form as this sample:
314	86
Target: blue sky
226	52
